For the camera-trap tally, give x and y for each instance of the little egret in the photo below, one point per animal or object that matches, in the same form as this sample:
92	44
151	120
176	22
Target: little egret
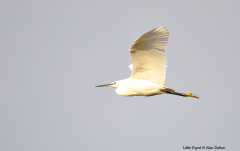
148	68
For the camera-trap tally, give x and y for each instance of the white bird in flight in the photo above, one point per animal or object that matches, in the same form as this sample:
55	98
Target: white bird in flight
148	68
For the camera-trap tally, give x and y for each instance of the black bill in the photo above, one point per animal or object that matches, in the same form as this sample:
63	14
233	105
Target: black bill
104	85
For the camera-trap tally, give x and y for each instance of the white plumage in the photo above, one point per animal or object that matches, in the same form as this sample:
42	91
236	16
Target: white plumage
148	68
148	55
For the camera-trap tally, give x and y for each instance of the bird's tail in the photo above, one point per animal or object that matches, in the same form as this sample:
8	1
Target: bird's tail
171	91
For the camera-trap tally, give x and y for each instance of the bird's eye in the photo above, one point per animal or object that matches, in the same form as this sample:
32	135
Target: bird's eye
114	83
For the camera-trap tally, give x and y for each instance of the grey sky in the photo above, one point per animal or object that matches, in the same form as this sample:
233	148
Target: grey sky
53	53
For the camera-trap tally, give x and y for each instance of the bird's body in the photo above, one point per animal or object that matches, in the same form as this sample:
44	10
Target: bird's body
134	87
148	68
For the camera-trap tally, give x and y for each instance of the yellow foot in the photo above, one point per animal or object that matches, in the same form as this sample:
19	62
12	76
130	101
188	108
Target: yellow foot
189	94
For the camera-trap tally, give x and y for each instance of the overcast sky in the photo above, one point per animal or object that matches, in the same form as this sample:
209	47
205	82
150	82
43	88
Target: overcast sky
53	53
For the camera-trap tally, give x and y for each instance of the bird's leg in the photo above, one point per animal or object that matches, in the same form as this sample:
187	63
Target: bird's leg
171	91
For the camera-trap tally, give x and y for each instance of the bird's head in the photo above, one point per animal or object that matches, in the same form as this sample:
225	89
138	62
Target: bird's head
113	84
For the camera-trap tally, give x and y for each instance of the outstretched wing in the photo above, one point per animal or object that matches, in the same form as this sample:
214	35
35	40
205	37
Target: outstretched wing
148	55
